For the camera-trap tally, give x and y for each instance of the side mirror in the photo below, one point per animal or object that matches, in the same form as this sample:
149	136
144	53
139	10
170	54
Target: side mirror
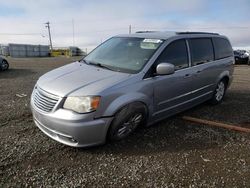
165	69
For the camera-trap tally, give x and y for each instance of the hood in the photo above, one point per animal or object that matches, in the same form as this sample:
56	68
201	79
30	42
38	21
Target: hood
67	80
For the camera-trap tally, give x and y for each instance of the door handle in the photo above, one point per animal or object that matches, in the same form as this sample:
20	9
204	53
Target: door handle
187	75
198	71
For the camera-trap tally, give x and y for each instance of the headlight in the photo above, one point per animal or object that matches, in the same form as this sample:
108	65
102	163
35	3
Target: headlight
82	104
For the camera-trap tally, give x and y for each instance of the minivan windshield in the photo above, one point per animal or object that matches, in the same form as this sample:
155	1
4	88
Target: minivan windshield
124	54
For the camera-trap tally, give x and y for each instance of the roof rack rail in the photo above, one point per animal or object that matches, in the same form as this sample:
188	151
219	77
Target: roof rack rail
145	31
190	32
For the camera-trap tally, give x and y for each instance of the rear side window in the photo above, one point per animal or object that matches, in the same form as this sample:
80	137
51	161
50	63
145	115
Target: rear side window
201	50
222	48
176	54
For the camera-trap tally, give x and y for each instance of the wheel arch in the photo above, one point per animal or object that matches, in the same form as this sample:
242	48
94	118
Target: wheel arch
124	100
224	76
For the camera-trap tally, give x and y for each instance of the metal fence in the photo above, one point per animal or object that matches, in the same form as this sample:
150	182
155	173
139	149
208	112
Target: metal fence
27	50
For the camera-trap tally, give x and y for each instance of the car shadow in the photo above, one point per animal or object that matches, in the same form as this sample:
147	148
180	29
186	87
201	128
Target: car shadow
171	135
175	134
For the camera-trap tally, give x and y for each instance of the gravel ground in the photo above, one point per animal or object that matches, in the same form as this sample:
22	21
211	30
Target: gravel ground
172	153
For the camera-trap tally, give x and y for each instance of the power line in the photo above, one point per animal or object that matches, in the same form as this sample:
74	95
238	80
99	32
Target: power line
130	28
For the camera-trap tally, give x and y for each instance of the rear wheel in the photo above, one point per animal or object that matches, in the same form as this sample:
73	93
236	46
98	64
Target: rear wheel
246	60
4	65
219	92
126	121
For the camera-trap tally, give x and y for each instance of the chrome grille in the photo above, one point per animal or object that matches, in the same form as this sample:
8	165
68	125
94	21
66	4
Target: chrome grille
44	101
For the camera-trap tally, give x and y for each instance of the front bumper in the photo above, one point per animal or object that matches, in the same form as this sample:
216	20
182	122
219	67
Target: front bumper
72	129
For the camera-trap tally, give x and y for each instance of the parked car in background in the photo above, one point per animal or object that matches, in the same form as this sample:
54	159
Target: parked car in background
4	65
241	57
131	80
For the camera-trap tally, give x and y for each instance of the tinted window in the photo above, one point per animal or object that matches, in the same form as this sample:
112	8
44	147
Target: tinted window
222	48
176	54
201	50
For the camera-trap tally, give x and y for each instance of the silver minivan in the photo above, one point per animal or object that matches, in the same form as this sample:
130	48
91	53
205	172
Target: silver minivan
131	80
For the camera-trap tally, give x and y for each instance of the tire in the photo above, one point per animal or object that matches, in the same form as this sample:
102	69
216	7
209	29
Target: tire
126	121
219	92
4	65
245	61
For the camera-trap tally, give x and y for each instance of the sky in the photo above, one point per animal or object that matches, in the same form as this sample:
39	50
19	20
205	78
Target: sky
87	23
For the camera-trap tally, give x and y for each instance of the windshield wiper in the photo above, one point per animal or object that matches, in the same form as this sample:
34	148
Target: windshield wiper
83	60
99	65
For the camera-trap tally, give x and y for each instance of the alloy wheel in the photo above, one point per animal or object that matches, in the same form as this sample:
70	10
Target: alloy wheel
127	127
220	90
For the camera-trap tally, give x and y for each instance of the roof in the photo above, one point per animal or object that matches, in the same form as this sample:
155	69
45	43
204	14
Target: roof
152	35
164	34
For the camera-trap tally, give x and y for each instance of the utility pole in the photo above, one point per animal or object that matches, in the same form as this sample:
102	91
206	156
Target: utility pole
129	29
48	26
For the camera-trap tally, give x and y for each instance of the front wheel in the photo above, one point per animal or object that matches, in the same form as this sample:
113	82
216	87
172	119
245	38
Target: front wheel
219	92
126	121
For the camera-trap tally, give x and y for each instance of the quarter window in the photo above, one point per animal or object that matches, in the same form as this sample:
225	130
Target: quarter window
176	54
201	50
222	47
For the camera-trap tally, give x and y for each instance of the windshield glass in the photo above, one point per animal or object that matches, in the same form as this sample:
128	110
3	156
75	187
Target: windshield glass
124	54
